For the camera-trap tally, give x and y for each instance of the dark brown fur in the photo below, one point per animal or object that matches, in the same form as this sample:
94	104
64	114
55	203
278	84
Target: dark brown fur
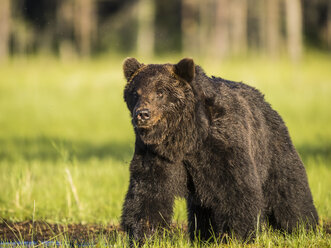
215	142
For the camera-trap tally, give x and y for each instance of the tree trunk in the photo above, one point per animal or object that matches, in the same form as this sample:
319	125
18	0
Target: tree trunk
221	39
294	28
65	20
328	27
5	15
262	25
238	26
85	25
272	27
190	34
146	26
204	27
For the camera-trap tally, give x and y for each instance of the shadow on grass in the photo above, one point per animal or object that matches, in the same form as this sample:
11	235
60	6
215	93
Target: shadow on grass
321	152
55	149
47	148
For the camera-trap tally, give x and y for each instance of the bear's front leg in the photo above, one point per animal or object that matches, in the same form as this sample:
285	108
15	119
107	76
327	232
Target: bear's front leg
149	201
200	220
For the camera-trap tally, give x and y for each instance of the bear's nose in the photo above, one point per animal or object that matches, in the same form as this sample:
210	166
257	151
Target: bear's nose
143	114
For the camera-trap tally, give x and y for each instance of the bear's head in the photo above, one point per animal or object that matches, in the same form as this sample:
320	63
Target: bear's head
159	96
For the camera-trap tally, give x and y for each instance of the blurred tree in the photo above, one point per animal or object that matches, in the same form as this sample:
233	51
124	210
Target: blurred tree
206	21
23	32
253	24
146	31
65	24
317	23
117	26
262	27
190	38
5	16
221	29
328	26
85	25
238	26
215	28
34	25
272	26
168	30
294	28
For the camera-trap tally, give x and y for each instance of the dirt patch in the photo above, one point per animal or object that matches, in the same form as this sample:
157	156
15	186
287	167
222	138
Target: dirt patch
40	231
43	231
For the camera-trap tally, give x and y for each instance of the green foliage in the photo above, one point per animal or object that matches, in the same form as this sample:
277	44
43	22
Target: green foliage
62	120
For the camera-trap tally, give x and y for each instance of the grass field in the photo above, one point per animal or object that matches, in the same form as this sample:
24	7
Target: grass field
66	139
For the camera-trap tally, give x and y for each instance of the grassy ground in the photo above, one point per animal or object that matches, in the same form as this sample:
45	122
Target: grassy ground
66	139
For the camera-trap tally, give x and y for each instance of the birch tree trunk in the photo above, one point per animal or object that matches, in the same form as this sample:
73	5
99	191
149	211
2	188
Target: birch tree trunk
85	25
146	28
294	28
5	14
238	26
272	32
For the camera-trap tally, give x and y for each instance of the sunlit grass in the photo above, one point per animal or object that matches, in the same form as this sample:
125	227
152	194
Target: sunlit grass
43	189
71	115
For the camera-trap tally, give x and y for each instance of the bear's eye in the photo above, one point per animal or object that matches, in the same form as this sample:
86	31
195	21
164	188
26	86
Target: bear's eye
135	94
159	94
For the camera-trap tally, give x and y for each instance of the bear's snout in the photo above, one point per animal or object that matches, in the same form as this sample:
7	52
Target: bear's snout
142	115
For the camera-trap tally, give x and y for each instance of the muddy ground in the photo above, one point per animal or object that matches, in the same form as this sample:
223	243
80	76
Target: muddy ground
43	231
74	233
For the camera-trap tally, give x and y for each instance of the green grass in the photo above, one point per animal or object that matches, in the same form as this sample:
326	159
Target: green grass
71	115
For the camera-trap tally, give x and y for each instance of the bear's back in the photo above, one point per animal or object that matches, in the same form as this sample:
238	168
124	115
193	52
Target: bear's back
241	117
244	100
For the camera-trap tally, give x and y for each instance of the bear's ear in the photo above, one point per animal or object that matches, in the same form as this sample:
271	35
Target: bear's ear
130	66
185	69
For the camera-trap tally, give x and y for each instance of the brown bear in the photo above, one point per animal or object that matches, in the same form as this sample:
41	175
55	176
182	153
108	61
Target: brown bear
215	142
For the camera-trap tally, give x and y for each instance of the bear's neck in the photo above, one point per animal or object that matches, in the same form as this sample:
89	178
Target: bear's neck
183	137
